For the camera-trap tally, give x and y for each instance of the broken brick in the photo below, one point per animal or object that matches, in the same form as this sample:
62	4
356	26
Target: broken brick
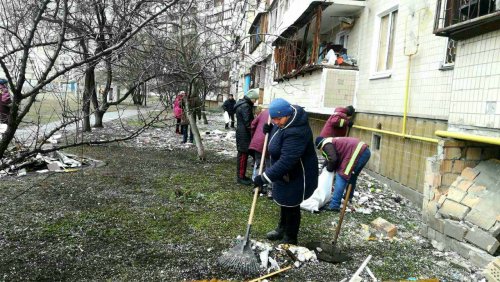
469	173
384	226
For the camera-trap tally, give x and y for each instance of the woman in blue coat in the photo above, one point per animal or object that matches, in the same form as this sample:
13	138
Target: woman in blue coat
294	166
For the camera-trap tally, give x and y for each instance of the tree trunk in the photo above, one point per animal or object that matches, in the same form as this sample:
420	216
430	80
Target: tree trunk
194	128
89	90
99	115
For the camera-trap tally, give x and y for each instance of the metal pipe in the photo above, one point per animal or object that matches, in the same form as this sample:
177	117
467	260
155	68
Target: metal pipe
468	137
426	139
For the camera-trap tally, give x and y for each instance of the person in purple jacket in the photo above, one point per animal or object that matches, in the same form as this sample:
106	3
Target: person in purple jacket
347	156
256	144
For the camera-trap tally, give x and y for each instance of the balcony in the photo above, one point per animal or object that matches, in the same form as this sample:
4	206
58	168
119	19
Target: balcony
463	19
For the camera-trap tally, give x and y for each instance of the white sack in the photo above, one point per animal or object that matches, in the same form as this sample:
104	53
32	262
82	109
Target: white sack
322	194
226	117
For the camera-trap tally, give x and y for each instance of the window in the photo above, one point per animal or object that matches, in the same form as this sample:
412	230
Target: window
385	52
462	19
343	38
376	141
451	51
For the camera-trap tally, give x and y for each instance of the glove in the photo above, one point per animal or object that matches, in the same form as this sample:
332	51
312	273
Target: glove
259	181
267	128
350	123
329	166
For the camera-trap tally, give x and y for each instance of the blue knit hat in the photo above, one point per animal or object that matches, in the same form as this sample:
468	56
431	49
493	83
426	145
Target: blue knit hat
280	108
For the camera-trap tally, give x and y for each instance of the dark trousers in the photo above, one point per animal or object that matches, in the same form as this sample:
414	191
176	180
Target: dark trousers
178	125
184	129
241	165
290	221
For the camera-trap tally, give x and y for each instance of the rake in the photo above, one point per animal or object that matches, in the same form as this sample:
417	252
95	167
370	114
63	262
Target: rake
241	257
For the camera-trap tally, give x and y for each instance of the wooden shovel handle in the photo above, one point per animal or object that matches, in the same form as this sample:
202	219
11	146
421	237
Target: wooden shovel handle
261	169
342	213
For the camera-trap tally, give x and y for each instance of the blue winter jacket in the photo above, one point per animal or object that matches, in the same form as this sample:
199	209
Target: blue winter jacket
294	165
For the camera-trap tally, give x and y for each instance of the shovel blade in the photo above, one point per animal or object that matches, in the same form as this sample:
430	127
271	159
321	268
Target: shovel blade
327	252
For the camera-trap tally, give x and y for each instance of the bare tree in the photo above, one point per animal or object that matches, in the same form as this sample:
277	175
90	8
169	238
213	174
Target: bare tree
42	41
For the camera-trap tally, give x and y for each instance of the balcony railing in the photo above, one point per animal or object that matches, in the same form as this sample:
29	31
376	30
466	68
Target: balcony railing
462	19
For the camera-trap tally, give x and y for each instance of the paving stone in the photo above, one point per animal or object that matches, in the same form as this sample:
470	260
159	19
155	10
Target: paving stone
456	195
464	185
451	153
482	239
457	181
476	188
492	271
454	229
453	210
495	230
473	153
480	259
462	248
469	173
431	233
424	229
470	200
480	219
438	245
436	224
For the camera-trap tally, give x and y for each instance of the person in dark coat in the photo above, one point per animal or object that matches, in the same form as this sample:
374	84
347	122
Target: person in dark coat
244	117
346	156
228	106
338	123
294	166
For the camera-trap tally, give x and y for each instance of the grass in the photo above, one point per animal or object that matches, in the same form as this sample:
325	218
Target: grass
152	215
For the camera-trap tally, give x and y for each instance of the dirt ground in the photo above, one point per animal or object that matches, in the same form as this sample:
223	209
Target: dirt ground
155	212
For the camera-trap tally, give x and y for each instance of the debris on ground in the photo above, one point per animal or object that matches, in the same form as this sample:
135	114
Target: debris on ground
388	229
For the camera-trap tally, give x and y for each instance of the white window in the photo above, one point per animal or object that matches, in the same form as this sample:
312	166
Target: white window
386	41
451	51
342	38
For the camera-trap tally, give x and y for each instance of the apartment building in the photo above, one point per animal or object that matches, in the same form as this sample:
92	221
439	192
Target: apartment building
412	74
424	77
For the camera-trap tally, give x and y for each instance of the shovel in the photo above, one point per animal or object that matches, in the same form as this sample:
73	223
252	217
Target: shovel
328	252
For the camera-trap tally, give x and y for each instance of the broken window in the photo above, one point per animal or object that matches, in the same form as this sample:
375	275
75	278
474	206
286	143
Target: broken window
462	19
386	41
218	3
451	51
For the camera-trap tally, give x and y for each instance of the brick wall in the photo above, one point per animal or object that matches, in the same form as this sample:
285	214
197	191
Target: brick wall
459	210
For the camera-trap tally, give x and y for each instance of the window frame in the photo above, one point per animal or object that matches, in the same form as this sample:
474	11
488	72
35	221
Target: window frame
375	74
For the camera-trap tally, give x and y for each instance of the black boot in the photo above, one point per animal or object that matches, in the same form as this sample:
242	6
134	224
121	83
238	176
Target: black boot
289	240
276	234
244	181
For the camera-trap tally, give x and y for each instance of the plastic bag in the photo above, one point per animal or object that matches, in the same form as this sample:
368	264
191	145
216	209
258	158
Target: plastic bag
226	117
322	194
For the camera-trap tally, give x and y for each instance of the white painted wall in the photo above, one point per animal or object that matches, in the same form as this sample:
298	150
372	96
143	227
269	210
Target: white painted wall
475	98
430	87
